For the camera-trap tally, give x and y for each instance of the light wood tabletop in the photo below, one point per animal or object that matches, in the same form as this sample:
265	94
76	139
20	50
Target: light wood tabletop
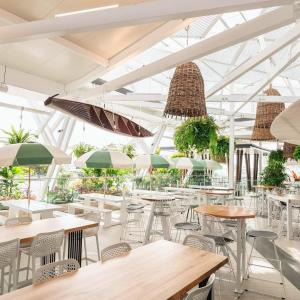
226	212
32	206
27	232
160	270
217	192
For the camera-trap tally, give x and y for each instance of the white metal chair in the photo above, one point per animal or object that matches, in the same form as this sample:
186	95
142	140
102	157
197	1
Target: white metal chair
8	256
200	242
91	232
202	293
54	270
44	245
271	237
115	250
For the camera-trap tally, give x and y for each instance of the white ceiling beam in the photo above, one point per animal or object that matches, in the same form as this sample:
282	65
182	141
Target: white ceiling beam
145	12
25	108
31	82
10	18
257	26
276	46
134	99
144	43
268	79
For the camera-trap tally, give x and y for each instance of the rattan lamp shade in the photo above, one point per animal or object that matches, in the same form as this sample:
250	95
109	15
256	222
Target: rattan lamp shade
186	94
266	112
288	150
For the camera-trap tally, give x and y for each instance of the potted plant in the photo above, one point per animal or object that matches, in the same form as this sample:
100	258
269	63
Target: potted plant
274	173
221	151
196	135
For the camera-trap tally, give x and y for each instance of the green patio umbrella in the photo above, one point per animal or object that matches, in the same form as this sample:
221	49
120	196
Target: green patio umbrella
30	155
186	163
151	161
104	159
211	165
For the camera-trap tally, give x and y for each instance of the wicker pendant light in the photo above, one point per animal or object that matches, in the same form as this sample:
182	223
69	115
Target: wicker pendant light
266	112
288	150
186	94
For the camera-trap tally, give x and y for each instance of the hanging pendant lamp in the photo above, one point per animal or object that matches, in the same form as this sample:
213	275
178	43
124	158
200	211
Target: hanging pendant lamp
186	94
266	112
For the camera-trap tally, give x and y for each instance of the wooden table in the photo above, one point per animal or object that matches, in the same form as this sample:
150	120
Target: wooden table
289	200
72	226
210	187
217	193
42	209
156	200
236	213
101	199
160	270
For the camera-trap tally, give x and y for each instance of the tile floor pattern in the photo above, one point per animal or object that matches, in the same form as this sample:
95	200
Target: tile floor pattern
290	249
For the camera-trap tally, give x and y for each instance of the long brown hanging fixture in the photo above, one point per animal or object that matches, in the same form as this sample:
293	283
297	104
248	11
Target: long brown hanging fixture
98	117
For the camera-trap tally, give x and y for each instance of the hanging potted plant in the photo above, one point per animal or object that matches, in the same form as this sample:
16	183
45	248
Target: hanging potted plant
196	135
220	152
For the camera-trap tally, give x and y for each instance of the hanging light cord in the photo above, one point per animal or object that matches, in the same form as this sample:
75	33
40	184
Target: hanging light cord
4	75
187	28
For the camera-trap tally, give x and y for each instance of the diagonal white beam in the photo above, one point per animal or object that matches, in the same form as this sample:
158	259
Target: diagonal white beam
10	18
276	46
150	39
268	79
134	99
265	23
146	12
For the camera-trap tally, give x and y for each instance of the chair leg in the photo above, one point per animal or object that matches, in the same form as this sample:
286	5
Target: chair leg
64	248
2	281
249	259
85	251
97	244
18	267
28	266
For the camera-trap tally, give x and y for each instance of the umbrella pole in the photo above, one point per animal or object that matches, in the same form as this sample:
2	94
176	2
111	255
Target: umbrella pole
29	185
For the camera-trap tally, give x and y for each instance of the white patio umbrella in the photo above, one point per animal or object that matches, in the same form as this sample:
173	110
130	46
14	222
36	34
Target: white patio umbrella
30	155
186	163
286	126
212	165
151	161
104	159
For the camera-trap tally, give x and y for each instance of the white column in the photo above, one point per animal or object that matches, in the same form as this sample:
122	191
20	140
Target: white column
231	149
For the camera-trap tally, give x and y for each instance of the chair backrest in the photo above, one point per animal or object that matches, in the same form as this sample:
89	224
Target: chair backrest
47	243
95	217
114	251
200	242
8	252
18	221
54	270
202	293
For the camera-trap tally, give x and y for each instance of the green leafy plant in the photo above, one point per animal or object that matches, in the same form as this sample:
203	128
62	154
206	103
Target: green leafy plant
129	150
274	173
17	136
277	156
196	134
297	153
81	149
9	188
221	150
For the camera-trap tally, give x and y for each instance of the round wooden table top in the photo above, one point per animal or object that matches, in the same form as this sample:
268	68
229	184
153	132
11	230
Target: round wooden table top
226	212
217	192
